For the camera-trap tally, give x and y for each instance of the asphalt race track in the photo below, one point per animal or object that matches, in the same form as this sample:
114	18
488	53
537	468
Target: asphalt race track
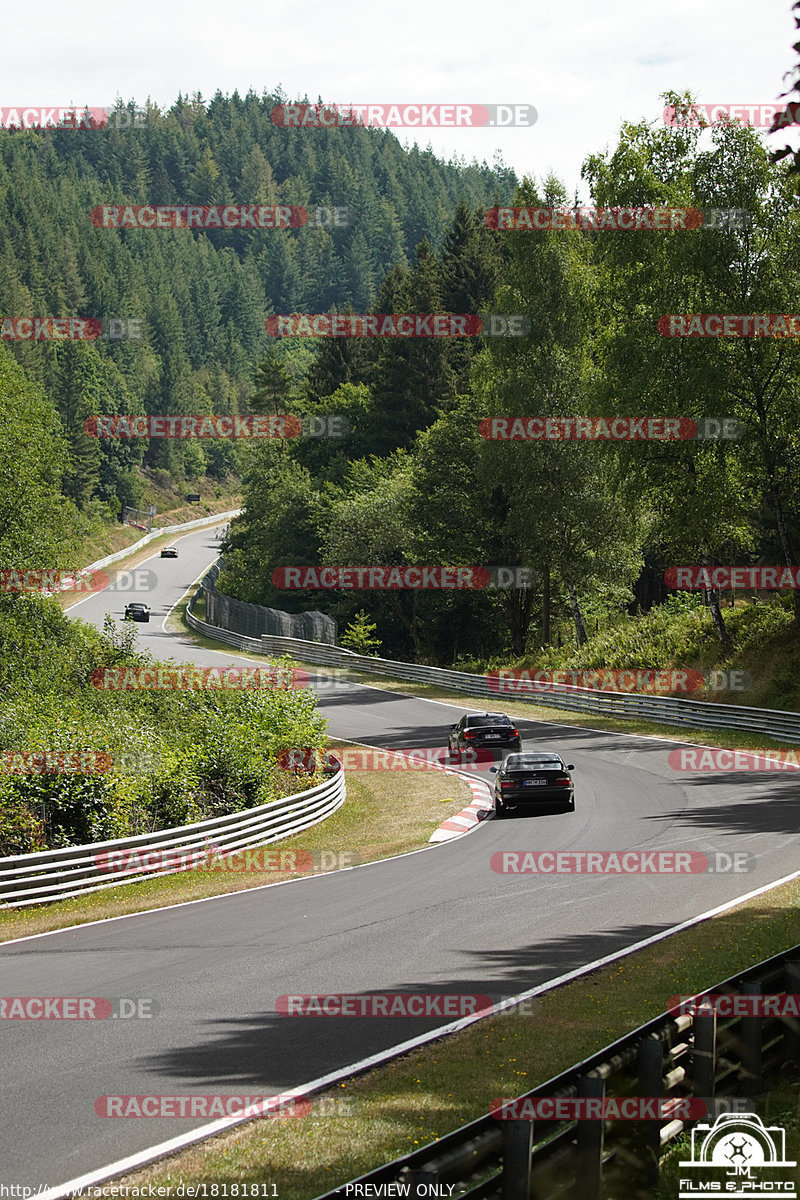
436	921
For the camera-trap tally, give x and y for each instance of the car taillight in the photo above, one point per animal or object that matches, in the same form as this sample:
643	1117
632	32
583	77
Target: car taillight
506	784
468	733
565	782
515	733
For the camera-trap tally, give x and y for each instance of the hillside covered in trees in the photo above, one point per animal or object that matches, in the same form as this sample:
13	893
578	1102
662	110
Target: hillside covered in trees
201	297
418	482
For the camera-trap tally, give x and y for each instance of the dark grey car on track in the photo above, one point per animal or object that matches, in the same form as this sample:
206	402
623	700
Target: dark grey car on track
532	780
137	612
490	732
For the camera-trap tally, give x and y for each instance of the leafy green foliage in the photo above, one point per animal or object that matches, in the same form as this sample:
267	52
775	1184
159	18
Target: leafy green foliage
359	635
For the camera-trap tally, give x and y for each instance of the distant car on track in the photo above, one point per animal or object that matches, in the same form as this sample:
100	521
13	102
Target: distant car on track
531	780
169	552
137	612
485	731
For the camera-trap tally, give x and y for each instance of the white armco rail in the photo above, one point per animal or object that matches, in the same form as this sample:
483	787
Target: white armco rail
58	874
774	723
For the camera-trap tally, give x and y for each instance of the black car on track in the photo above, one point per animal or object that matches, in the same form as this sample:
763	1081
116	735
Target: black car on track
532	780
136	612
488	731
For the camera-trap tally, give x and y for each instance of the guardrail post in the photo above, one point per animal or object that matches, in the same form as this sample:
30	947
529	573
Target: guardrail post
423	1177
791	1025
517	1151
704	1054
650	1070
590	1136
751	1034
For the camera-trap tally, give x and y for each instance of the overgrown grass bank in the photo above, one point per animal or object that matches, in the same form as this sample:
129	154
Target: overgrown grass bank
680	635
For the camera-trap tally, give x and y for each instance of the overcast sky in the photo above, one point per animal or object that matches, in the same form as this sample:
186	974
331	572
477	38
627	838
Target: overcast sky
585	66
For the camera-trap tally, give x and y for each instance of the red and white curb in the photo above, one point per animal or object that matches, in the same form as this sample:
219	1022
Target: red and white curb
470	816
461	822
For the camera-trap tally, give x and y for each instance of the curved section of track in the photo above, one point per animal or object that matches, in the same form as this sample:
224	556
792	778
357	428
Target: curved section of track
440	920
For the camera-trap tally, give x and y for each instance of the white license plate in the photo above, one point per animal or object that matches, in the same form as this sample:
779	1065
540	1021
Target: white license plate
494	735
534	782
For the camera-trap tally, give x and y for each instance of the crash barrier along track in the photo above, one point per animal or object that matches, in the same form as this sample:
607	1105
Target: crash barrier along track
680	1057
76	870
239	616
774	723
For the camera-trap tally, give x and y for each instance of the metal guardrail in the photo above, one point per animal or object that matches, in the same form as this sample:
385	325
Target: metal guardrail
678	1057
254	620
774	723
77	870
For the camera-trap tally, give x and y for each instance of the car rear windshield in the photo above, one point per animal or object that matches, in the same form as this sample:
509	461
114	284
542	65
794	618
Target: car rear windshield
522	764
480	722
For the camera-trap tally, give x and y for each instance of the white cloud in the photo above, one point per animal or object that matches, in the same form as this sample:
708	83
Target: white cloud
586	67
